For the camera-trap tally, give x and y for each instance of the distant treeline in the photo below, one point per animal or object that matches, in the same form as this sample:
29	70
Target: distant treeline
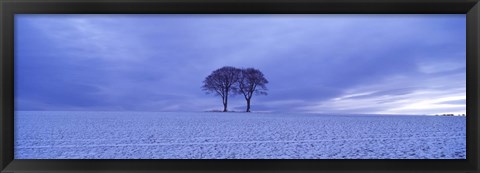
450	115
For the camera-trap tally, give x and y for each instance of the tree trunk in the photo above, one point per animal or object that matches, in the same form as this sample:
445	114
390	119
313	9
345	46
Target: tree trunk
248	105
225	102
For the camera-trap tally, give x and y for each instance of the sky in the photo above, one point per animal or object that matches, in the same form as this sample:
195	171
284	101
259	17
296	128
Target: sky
355	64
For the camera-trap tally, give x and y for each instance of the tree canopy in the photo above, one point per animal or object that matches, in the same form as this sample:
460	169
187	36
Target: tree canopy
251	81
221	82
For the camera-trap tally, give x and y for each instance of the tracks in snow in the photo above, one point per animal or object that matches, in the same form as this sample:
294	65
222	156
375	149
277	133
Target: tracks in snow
232	142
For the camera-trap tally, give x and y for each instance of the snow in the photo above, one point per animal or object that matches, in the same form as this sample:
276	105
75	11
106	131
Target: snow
217	135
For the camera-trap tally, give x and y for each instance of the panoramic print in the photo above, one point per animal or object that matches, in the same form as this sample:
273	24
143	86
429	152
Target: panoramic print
218	86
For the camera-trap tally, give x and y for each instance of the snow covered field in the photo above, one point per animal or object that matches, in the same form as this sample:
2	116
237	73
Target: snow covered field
210	135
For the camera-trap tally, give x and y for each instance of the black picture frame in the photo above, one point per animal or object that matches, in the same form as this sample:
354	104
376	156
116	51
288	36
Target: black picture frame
9	8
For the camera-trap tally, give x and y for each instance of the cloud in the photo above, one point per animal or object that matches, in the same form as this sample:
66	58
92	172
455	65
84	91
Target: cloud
455	102
413	100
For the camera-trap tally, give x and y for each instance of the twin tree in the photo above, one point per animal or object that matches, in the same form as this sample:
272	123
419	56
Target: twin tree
228	80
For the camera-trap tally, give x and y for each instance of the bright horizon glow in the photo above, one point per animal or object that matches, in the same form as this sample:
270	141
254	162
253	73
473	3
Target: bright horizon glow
377	64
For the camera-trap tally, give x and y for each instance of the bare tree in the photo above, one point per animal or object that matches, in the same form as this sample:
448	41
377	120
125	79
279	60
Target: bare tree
221	82
251	81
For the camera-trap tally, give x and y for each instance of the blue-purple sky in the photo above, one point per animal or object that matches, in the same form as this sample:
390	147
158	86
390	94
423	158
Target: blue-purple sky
388	64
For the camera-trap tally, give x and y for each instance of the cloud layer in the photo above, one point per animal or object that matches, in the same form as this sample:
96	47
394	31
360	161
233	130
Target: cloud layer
390	64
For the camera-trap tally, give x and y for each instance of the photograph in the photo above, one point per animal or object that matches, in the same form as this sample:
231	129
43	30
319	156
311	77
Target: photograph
240	86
